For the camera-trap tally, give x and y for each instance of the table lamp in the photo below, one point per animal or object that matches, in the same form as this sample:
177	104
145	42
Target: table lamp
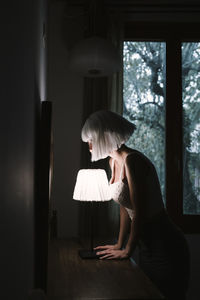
91	185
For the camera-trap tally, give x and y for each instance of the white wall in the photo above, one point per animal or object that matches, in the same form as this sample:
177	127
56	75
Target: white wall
65	90
20	37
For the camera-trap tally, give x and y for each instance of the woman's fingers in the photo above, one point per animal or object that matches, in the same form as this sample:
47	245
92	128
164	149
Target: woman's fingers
100	247
112	254
107	251
103	247
107	256
101	252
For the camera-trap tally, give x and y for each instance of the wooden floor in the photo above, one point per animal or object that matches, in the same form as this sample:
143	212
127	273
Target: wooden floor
73	278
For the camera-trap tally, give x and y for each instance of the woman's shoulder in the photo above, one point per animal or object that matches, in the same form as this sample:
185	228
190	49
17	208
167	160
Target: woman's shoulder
135	154
138	160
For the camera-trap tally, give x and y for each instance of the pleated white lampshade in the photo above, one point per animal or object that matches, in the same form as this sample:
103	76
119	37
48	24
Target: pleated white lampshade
94	57
91	185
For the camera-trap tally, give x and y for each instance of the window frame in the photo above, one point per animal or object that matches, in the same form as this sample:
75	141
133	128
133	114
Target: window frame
173	34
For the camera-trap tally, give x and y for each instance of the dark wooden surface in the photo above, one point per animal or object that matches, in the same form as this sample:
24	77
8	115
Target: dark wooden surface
73	278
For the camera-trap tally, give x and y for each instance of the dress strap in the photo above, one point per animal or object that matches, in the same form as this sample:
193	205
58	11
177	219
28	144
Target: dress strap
122	170
112	165
112	170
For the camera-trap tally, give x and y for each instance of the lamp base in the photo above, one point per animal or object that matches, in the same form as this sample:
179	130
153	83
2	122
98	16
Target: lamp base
87	254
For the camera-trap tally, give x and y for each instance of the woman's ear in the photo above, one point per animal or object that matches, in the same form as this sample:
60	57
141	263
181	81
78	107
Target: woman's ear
90	146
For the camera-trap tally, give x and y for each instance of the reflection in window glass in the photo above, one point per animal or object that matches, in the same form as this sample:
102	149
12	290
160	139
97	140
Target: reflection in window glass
191	127
144	100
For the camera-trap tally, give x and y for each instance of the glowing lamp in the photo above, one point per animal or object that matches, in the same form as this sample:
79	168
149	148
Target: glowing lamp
91	185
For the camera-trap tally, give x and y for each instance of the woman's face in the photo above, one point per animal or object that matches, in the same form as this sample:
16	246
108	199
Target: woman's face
90	146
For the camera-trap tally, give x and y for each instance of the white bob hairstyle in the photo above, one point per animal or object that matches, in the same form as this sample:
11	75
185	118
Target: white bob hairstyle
107	131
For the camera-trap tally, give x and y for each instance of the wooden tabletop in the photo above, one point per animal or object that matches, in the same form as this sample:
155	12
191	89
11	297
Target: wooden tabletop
73	278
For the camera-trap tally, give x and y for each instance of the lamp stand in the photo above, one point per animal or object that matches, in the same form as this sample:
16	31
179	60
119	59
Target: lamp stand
88	254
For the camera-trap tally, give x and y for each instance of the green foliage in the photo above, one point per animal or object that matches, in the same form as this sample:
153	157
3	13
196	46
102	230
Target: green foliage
144	104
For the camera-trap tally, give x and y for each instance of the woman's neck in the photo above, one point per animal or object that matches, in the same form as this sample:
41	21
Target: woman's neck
120	154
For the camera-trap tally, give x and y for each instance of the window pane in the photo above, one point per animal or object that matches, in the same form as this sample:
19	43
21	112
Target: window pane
144	100
191	127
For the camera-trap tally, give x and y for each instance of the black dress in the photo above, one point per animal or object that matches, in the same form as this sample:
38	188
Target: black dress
163	249
164	256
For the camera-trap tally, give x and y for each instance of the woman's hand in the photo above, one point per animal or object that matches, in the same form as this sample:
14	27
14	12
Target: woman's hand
110	253
106	247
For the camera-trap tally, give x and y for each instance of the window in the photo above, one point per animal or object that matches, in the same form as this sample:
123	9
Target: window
144	99
191	126
162	97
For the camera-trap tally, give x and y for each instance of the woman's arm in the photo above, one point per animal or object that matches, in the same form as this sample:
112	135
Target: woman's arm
124	223
124	226
136	169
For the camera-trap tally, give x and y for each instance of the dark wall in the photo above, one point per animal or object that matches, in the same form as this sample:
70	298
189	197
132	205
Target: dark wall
65	90
22	87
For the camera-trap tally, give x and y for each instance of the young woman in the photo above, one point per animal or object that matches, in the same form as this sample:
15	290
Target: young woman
163	251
